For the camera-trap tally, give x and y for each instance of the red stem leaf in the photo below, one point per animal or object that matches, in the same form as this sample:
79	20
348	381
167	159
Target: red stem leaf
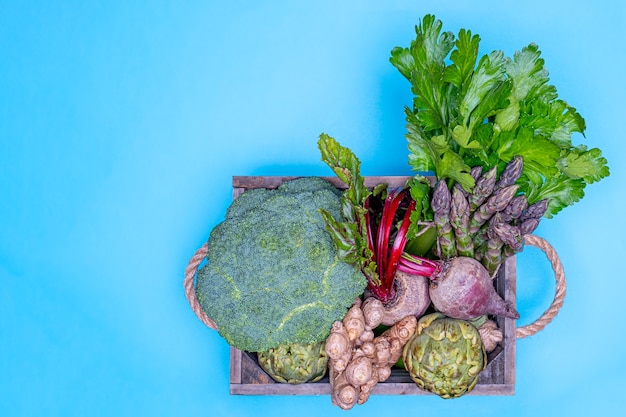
386	221
417	265
399	244
369	226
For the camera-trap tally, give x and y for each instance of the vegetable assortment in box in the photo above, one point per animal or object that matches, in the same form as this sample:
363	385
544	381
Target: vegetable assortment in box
349	286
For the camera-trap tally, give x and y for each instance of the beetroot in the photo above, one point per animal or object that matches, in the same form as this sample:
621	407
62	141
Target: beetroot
411	298
464	290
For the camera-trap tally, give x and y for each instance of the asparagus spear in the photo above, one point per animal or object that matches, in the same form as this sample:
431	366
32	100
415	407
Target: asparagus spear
459	218
535	211
497	202
527	223
483	189
528	226
512	172
515	208
476	172
441	202
501	236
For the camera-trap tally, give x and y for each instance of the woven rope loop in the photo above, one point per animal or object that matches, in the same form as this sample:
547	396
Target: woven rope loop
559	295
189	284
521	332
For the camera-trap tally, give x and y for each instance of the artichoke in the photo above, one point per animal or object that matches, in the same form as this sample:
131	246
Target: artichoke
295	363
445	355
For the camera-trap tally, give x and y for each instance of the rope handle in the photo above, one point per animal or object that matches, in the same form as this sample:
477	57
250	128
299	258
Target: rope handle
190	290
520	333
559	295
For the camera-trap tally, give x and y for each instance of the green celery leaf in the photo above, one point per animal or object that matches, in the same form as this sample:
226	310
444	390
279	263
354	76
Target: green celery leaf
488	75
449	164
540	154
463	59
402	59
508	118
494	101
420	158
486	93
419	187
529	79
561	190
425	69
484	135
469	111
527	73
429	102
430	44
589	165
461	135
555	120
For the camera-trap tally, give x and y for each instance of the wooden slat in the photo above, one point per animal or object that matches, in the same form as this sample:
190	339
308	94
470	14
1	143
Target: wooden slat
249	182
248	378
235	365
383	388
509	283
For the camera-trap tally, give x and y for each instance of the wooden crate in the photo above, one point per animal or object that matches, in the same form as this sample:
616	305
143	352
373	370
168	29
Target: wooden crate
248	378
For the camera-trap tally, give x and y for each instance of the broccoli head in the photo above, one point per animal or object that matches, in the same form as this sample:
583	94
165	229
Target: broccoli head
273	275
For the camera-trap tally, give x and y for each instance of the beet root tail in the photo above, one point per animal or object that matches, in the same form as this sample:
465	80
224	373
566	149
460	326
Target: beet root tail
504	309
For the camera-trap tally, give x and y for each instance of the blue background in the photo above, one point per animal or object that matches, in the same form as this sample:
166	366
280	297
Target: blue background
121	124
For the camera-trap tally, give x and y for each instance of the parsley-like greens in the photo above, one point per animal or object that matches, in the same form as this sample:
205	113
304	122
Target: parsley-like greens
469	111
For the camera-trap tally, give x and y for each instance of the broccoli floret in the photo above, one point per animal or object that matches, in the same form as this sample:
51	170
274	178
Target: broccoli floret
273	274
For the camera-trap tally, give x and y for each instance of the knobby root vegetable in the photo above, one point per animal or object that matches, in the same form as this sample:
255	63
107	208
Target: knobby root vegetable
389	345
490	334
357	359
463	289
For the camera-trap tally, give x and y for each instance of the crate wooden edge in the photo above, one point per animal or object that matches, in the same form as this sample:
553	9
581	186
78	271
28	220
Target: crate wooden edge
264	385
243	182
323	389
271	388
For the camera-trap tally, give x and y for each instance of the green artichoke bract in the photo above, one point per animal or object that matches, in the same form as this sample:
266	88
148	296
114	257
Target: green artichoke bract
295	363
445	355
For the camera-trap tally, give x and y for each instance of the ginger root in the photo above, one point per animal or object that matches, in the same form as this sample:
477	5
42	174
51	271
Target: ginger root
357	359
490	334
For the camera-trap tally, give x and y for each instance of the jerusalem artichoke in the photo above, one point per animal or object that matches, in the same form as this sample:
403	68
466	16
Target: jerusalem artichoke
357	360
